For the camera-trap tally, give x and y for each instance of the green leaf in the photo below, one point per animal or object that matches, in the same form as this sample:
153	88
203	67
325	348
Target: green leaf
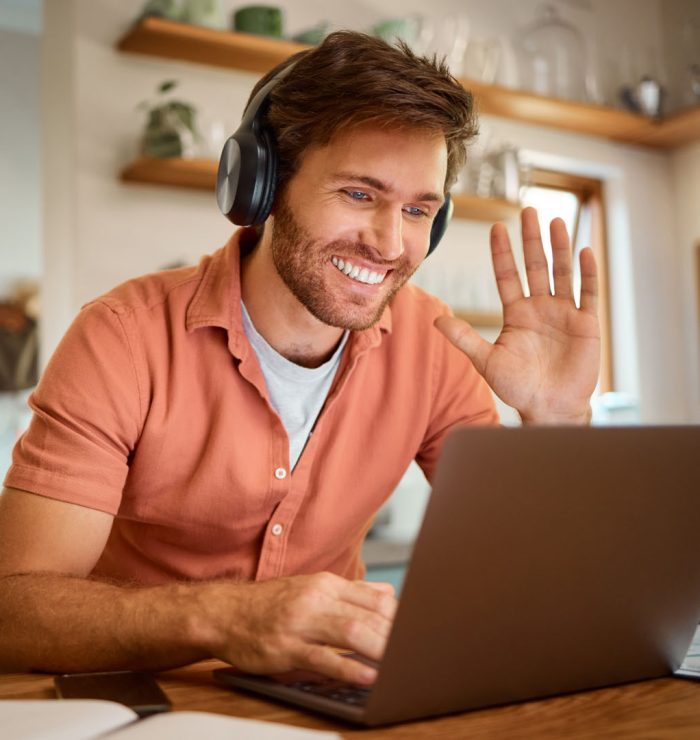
167	86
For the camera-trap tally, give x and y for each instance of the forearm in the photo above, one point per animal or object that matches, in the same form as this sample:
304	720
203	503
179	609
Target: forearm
60	623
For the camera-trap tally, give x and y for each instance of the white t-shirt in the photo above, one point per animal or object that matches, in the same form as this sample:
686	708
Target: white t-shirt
297	393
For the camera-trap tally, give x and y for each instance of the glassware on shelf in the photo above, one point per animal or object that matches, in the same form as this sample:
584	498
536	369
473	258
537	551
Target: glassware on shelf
554	59
213	137
643	86
482	60
446	36
690	91
203	13
507	173
694	83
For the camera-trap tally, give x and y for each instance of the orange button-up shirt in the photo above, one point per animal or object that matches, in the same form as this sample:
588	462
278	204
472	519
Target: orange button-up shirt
154	409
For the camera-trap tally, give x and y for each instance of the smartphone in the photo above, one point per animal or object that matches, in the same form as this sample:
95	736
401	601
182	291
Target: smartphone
136	690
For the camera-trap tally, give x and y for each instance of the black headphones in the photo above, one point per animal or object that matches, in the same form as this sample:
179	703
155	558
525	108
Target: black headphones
247	176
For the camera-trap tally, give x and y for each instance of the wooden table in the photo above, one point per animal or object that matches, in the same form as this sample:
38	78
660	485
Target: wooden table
665	708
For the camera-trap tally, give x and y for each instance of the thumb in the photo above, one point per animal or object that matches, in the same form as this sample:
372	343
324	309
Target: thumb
467	339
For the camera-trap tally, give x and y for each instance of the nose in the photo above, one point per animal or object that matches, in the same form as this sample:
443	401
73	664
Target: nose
384	232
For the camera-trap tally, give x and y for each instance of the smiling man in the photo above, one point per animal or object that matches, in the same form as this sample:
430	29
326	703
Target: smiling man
209	445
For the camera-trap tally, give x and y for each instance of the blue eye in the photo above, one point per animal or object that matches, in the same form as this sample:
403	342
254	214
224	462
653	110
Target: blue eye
413	211
357	194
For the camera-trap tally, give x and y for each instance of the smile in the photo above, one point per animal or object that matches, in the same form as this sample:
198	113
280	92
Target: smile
362	275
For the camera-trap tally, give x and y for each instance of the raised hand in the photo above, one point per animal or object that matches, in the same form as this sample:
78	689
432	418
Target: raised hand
546	360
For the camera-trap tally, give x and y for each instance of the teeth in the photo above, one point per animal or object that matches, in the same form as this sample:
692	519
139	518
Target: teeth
362	275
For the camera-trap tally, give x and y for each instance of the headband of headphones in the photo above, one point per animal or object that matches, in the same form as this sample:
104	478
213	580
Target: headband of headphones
247	175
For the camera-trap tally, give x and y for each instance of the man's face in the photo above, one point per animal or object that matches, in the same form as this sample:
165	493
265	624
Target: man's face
354	222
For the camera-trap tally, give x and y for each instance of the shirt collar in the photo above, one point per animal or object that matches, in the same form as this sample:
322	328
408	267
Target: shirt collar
217	300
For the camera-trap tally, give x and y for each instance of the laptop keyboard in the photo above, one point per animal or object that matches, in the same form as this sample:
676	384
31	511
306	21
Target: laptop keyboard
344	692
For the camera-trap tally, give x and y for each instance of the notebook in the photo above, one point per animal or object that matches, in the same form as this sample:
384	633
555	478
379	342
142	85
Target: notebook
550	560
97	719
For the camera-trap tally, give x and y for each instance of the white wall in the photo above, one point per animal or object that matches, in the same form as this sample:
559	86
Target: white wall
100	232
20	167
685	165
681	46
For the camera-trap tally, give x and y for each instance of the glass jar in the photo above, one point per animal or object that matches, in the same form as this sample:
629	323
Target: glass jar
554	59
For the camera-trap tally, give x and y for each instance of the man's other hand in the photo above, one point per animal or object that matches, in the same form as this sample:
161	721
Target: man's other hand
297	623
546	360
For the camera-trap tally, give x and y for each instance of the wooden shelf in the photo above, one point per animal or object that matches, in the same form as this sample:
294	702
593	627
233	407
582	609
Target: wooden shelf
676	130
161	37
232	50
200	174
476	208
569	115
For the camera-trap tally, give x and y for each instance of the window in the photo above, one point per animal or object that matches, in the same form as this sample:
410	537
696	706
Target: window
578	201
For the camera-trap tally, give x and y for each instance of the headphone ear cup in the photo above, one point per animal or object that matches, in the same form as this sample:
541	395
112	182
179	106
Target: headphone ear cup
440	223
268	182
246	179
227	177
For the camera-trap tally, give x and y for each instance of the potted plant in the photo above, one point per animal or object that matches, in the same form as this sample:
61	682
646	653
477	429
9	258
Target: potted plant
171	126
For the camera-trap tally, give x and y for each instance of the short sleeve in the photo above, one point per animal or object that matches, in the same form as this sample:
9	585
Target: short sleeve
460	396
87	414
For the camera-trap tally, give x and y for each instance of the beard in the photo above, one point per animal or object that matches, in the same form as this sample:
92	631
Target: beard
302	263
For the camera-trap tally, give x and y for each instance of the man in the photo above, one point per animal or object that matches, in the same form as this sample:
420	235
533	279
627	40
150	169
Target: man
209	445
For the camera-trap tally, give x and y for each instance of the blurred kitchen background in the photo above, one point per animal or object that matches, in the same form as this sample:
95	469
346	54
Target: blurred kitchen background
114	111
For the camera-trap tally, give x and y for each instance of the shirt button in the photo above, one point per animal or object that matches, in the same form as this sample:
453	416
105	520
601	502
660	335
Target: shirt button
277	529
280	473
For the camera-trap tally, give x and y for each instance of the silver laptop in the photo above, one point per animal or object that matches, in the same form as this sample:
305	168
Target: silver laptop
550	560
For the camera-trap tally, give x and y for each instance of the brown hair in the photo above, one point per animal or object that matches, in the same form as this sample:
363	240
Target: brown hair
352	79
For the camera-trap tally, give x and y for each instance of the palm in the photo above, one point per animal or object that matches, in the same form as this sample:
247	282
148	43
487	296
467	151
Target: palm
546	355
545	361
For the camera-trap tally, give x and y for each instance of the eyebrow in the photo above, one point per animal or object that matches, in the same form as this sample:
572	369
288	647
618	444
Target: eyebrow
373	182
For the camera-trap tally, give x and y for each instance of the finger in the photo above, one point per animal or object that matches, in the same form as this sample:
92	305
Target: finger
561	258
325	660
349	628
464	337
373	598
589	281
535	260
357	630
507	277
380	586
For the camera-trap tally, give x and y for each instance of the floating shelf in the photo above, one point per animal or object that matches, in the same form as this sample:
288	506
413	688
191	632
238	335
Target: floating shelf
233	50
483	209
200	174
161	37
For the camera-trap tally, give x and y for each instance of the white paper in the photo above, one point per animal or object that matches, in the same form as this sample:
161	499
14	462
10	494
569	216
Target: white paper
65	719
204	725
88	719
